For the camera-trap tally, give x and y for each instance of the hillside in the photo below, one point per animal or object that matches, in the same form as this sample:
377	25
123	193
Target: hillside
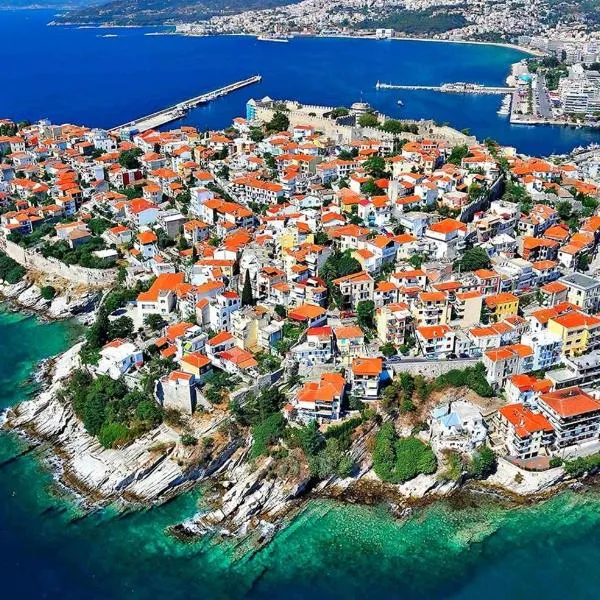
157	12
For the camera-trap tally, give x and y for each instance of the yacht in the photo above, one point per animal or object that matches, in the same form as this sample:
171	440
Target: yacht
504	109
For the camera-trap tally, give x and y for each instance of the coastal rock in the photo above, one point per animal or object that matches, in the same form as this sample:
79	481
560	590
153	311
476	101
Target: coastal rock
511	478
30	297
138	470
11	291
69	304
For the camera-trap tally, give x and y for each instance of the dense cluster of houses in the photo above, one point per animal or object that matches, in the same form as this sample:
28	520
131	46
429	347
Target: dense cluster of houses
234	229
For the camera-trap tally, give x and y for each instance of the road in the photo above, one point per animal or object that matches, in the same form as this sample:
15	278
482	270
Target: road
543	100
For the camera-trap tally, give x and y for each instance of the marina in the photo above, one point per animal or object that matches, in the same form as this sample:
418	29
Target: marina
460	87
504	110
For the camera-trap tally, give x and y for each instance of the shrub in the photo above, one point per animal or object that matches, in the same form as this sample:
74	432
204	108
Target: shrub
10	270
397	460
580	466
113	434
483	463
48	292
187	439
555	461
266	433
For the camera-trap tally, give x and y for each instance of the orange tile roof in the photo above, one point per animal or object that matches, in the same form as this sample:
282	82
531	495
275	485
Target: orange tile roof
524	421
432	332
570	402
350	331
164	282
196	359
367	366
503	298
306	312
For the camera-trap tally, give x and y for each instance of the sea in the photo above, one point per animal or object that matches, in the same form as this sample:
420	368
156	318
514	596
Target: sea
107	76
53	548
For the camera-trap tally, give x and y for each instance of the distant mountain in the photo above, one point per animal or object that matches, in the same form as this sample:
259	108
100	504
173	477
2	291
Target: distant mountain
62	4
157	12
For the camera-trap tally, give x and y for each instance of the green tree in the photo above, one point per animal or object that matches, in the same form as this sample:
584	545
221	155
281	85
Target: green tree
247	296
331	460
458	153
375	166
48	292
388	350
365	311
113	435
256	134
120	328
473	259
416	260
279	122
265	433
368	120
154	321
310	438
393	126
129	158
370	188
564	209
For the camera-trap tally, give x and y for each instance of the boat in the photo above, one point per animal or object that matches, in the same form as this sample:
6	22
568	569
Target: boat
504	109
400	103
271	38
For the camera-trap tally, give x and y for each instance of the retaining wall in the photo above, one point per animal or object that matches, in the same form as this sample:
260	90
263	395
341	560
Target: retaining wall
32	260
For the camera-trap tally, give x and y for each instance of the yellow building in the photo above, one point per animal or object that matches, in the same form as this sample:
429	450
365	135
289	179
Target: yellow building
468	308
579	332
502	305
391	321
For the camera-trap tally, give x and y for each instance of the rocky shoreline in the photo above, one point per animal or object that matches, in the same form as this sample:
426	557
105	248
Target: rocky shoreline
69	302
243	497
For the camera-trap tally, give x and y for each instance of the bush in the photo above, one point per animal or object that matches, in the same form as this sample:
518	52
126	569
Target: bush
397	460
483	463
10	270
580	466
471	377
266	433
102	403
187	439
48	292
113	435
555	461
331	460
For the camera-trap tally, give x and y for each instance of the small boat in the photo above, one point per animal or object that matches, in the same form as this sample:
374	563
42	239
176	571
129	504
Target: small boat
400	103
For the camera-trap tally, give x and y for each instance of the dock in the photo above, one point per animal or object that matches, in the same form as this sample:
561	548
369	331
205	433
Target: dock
459	87
179	110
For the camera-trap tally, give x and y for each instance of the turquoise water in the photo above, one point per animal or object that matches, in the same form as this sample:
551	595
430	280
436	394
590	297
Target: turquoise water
50	549
78	76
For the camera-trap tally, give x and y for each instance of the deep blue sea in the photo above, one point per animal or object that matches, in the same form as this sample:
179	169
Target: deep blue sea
81	76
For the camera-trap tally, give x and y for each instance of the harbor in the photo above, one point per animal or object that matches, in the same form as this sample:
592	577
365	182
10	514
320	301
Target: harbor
179	110
459	87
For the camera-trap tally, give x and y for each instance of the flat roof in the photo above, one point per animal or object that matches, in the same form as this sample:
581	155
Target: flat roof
580	280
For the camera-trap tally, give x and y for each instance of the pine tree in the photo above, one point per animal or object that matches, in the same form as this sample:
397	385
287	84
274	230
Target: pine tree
247	297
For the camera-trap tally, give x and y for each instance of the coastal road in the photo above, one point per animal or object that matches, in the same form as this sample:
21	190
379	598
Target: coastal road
543	100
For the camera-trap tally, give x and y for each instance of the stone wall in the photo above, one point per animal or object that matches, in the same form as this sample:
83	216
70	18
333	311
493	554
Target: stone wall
432	368
34	261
